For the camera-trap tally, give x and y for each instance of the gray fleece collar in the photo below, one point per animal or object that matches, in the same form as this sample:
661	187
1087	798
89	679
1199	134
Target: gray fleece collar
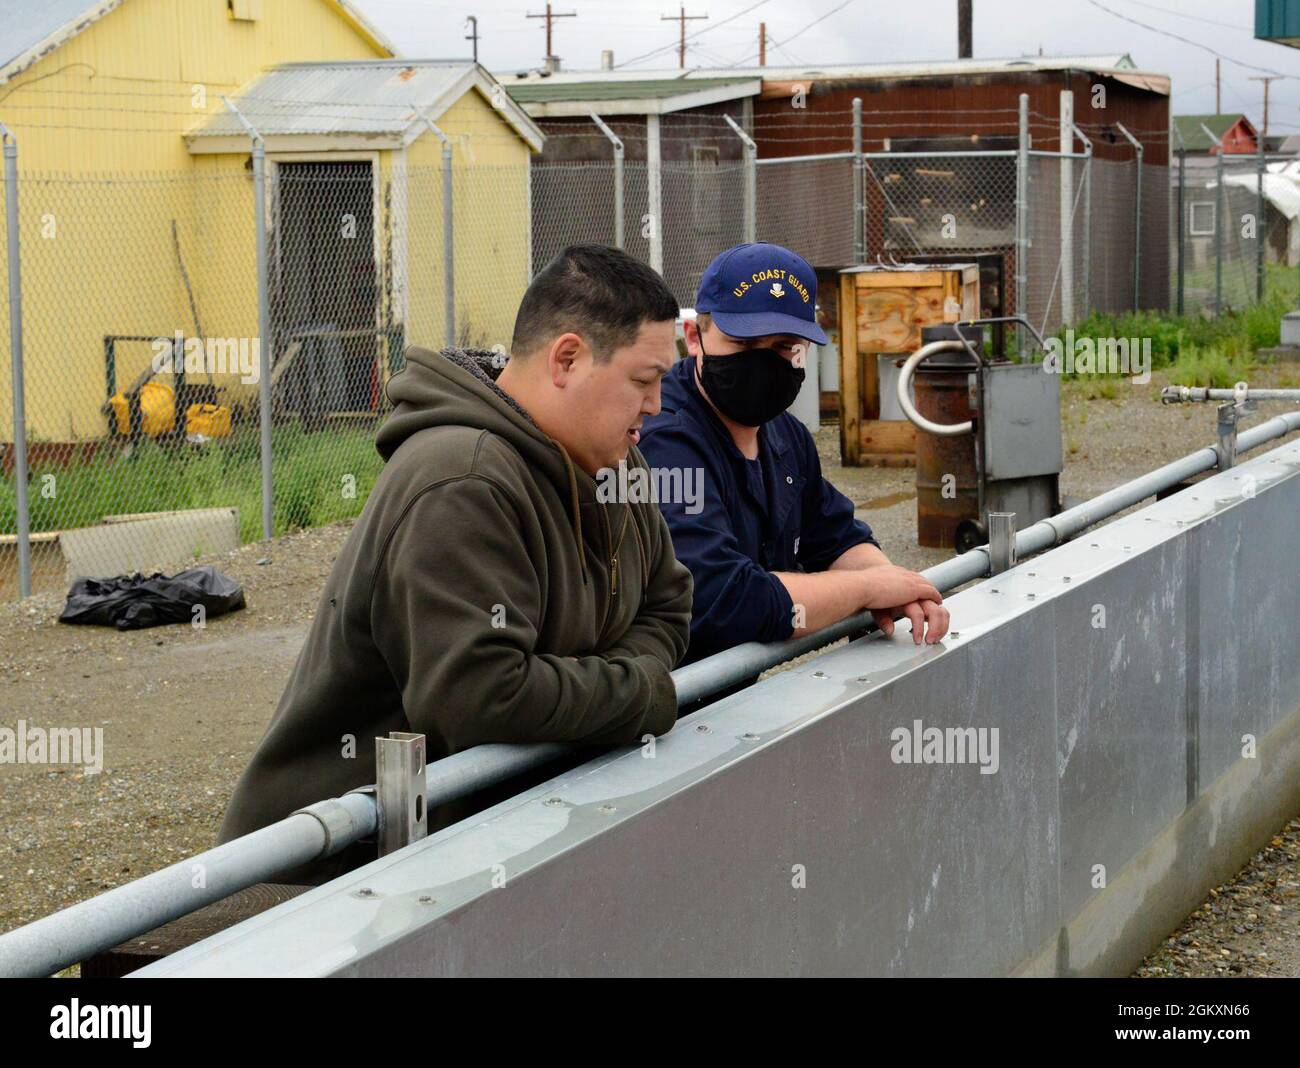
484	365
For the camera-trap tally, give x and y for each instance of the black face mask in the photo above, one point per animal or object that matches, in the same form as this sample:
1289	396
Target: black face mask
752	386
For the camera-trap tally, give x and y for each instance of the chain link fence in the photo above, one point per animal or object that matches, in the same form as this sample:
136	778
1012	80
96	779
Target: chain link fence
139	328
820	225
143	378
1239	233
144	355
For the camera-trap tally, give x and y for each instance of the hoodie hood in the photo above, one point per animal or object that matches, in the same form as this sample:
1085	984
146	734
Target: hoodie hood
457	387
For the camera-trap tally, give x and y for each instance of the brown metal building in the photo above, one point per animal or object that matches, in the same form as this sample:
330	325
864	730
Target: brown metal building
940	107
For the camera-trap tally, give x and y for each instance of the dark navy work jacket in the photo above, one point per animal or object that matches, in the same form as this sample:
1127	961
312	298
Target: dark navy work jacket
776	513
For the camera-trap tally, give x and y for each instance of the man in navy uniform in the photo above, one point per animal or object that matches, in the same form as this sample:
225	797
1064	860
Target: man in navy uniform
774	548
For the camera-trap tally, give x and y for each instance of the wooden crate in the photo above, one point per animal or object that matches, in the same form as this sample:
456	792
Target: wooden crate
882	310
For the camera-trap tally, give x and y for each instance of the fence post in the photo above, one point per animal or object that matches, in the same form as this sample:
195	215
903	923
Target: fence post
1259	221
859	188
618	178
1137	218
1218	221
654	192
751	180
1087	221
1066	118
266	342
16	355
1022	222
1182	221
448	232
1218	233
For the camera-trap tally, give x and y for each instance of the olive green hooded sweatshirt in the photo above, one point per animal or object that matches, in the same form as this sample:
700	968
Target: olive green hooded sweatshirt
484	595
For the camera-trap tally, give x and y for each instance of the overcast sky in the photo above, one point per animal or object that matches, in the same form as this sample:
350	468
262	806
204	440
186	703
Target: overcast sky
870	31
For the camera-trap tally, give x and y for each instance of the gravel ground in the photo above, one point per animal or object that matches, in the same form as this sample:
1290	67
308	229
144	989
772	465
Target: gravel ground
1248	927
182	709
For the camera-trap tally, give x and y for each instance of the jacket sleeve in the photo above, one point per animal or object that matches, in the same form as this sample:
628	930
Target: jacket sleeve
735	599
829	528
662	626
452	611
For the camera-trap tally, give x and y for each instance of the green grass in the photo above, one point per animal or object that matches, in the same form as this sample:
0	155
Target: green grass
1209	367
309	472
1196	349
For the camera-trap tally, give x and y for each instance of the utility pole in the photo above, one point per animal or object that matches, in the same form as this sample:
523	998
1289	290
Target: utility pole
682	18
762	44
1265	78
964	28
473	34
1218	87
549	17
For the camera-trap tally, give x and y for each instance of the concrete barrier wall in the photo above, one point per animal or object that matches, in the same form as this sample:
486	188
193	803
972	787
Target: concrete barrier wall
1144	683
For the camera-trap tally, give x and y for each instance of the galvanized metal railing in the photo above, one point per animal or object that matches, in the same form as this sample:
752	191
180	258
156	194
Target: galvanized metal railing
320	830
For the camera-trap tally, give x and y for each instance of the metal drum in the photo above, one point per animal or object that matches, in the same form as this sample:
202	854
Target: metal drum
947	478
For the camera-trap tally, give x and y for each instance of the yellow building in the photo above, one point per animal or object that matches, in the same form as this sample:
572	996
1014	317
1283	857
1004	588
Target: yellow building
137	208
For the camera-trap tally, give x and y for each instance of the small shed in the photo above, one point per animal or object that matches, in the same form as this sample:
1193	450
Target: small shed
356	200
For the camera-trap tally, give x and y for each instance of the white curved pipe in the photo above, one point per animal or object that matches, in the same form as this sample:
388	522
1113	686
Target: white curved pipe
948	430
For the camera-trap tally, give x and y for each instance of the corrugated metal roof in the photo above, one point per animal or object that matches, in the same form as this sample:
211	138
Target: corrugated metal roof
359	97
1280	190
375	97
641	89
848	71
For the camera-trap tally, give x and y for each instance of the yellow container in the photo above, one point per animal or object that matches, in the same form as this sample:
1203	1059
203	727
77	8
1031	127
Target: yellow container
157	410
212	420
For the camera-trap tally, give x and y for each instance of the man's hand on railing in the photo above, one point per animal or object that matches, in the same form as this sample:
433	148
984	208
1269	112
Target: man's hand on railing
893	592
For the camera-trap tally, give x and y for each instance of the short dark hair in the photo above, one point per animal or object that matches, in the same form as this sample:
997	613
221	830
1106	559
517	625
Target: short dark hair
599	293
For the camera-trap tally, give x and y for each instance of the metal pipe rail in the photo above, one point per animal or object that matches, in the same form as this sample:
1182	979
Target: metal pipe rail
89	927
1183	394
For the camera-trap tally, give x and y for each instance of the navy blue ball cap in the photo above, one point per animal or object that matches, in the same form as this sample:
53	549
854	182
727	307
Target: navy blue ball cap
760	289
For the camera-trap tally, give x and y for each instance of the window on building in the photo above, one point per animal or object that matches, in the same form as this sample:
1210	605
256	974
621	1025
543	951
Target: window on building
1200	218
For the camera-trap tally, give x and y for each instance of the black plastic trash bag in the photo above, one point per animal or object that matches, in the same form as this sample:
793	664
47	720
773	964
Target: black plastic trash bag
130	602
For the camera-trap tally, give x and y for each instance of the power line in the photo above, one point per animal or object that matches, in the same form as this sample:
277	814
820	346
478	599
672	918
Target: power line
682	19
1194	18
550	16
787	40
1265	79
1186	40
691	36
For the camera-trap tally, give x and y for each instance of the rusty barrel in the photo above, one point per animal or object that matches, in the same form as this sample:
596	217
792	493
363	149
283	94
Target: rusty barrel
947	480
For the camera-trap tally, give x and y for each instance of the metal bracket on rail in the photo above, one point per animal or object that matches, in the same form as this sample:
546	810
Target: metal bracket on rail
1230	414
400	767
1002	541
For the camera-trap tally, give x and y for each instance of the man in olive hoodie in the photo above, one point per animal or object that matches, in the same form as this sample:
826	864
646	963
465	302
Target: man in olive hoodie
486	594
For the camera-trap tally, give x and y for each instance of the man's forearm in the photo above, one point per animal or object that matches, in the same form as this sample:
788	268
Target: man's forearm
823	598
858	557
